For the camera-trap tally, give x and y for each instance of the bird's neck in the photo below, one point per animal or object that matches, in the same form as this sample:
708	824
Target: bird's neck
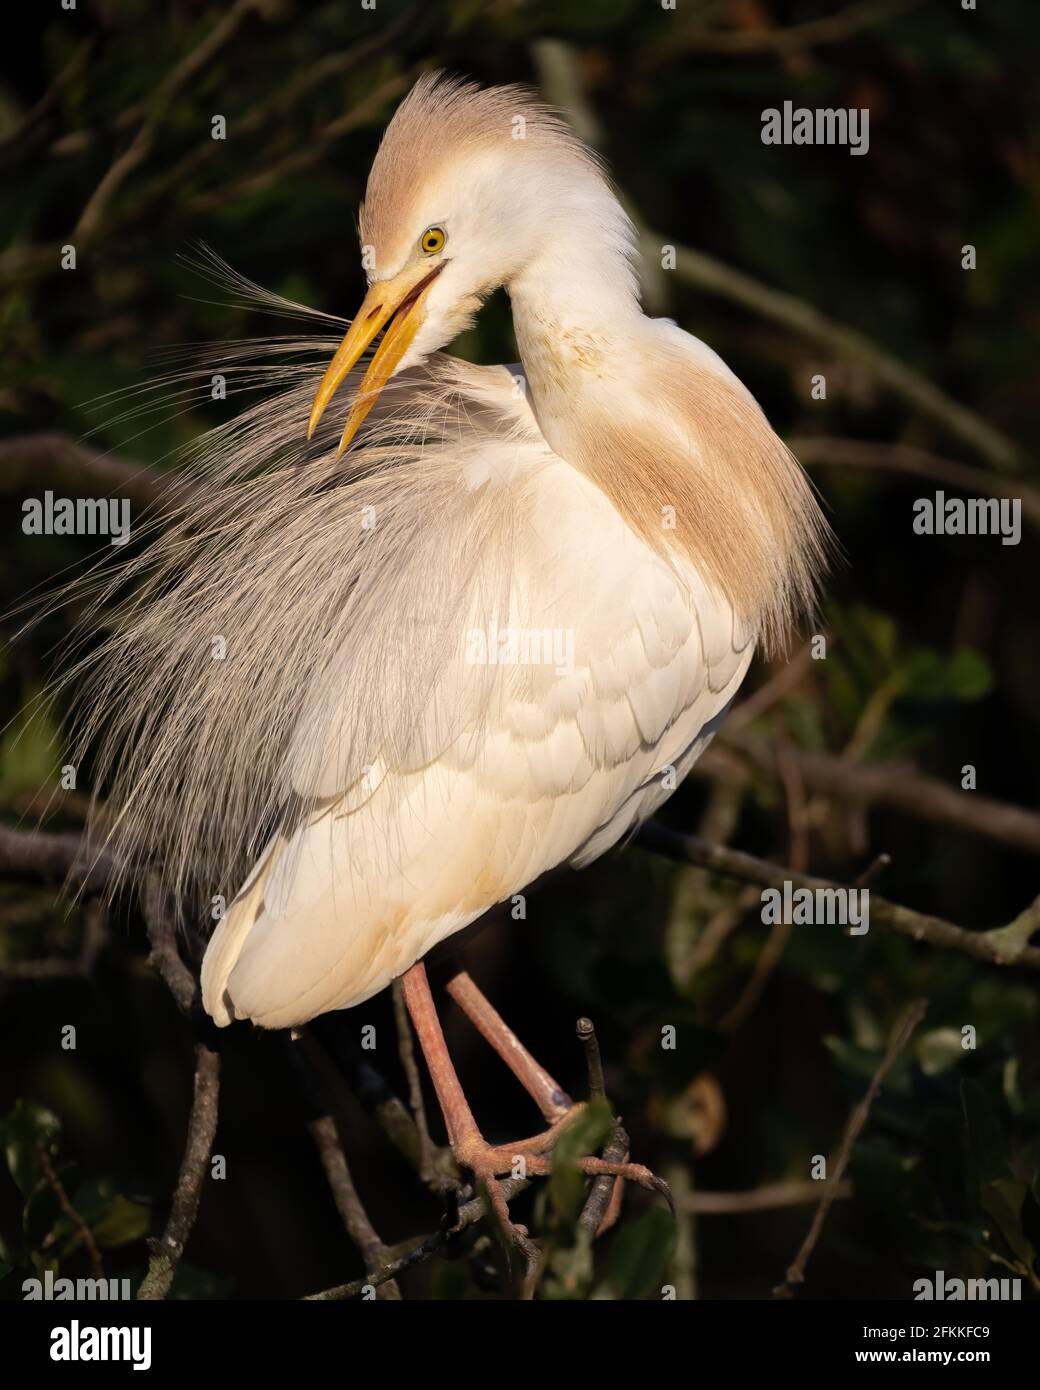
669	435
577	325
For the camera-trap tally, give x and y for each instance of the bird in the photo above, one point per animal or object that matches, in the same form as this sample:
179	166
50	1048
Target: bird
474	631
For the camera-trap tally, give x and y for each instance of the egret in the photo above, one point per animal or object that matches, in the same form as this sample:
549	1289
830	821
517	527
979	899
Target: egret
478	633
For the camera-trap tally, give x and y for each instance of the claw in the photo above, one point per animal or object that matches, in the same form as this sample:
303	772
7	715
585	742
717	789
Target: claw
659	1185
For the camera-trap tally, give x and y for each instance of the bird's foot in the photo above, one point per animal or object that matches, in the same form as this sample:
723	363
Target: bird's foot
532	1158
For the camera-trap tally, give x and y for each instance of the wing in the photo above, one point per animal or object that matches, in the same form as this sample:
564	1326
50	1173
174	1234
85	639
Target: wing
581	683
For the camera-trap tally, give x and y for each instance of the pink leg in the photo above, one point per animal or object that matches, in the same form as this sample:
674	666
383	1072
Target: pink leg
550	1097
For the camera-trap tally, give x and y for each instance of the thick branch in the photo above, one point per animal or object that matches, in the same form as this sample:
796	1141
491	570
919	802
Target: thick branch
54	858
29	461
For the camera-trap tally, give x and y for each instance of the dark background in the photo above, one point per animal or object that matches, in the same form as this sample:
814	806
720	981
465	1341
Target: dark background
933	641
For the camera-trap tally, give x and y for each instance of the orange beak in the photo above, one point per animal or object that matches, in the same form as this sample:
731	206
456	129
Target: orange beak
395	304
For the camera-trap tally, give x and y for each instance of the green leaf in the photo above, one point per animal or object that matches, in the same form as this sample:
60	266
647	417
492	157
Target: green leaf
585	1135
124	1221
28	1126
939	1050
969	674
928	675
641	1254
1003	1201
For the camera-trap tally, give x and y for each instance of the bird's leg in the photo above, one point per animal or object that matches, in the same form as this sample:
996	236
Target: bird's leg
524	1158
458	1117
466	1141
550	1097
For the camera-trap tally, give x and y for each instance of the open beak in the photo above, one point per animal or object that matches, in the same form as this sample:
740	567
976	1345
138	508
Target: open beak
396	304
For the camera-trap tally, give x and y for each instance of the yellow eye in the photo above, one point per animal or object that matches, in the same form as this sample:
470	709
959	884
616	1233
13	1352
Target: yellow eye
432	240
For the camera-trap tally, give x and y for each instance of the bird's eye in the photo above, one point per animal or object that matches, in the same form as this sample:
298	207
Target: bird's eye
432	240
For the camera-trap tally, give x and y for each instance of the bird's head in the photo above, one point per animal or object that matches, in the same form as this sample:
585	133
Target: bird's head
469	188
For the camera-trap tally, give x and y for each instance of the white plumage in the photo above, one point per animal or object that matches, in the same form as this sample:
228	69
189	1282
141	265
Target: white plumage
356	765
535	767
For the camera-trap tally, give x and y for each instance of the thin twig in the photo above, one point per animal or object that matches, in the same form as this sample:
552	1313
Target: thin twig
314	1074
348	1203
768	1197
824	450
202	1128
469	1213
369	1086
873	871
137	151
1005	945
768	959
271	115
14	141
164	955
586	1031
86	1235
273	174
563	85
789	676
831	28
900	1036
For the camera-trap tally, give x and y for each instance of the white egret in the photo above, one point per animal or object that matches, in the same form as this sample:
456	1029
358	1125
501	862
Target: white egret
491	638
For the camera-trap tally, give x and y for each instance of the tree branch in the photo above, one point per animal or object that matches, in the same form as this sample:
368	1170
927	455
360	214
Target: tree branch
202	1128
202	1122
832	28
137	151
348	1202
86	1235
900	1036
95	931
1005	945
14	141
823	450
54	858
769	1197
562	82
706	273
52	459
469	1213
164	957
889	784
